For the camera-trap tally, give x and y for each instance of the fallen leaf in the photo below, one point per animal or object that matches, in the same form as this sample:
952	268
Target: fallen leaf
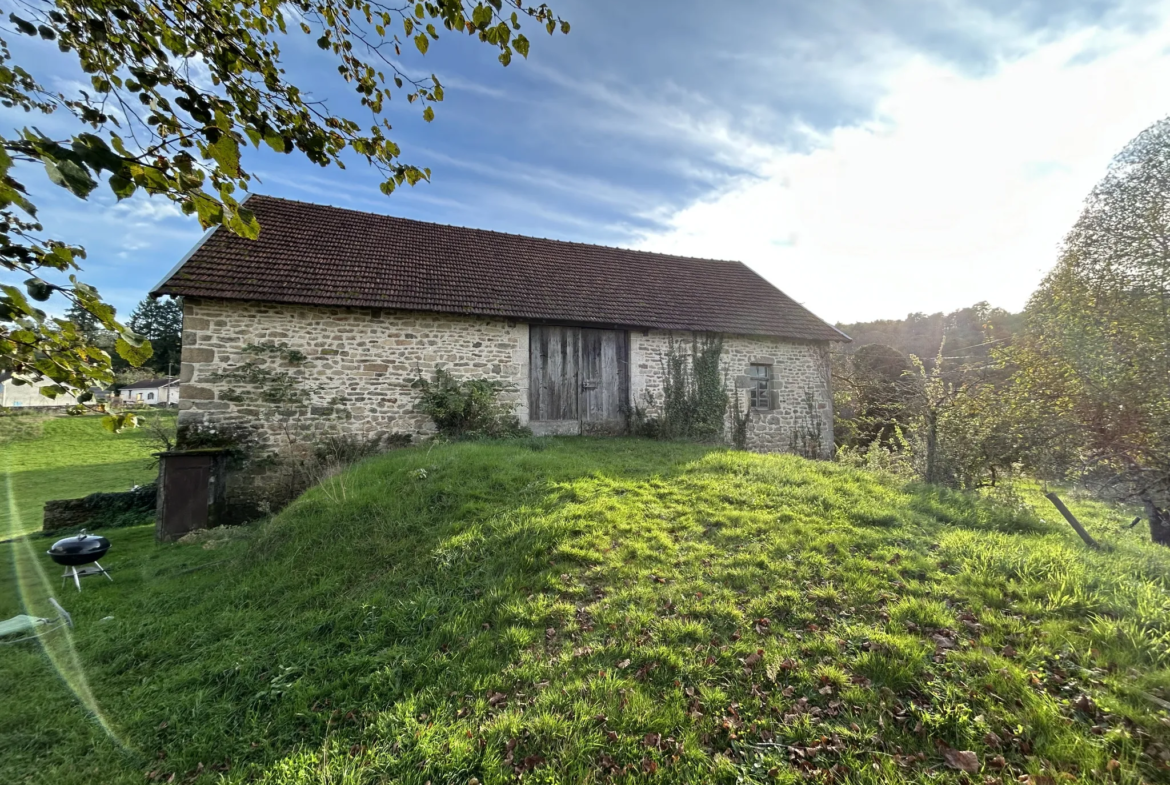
963	760
623	664
531	762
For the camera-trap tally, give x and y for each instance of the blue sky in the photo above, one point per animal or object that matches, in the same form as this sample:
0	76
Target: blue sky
869	157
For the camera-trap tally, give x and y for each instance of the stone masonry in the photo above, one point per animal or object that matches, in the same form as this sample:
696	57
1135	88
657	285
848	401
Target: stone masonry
357	365
800	373
358	362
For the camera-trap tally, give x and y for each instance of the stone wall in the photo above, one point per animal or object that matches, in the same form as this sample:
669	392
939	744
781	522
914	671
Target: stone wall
357	368
101	510
800	375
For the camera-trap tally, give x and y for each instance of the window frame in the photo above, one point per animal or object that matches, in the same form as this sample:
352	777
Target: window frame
761	386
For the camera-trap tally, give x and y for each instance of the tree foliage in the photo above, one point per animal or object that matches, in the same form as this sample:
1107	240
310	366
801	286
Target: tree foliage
1094	359
940	418
872	406
972	334
160	321
176	90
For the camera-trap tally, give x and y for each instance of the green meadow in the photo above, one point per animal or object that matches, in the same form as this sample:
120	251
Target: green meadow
60	457
577	610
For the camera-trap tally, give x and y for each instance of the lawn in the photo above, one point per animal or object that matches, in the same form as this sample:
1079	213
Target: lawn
576	610
61	457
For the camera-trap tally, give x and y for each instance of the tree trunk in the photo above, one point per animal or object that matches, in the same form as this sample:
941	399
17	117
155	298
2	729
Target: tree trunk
1159	523
931	447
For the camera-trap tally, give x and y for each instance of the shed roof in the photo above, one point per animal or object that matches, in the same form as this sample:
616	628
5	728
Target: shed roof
149	384
312	254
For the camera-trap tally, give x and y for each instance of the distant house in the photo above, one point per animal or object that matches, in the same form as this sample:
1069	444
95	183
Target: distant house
21	392
150	392
580	334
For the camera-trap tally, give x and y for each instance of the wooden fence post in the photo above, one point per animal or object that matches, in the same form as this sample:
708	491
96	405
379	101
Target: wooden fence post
1072	521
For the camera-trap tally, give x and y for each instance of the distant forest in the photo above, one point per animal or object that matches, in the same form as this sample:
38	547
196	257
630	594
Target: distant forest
970	333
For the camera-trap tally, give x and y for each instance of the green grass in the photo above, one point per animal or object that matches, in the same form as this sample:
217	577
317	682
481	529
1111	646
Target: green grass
46	457
576	610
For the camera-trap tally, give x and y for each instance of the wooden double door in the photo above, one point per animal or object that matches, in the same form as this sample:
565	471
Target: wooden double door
579	380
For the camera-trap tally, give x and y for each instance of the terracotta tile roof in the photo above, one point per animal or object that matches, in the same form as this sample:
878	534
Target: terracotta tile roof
316	255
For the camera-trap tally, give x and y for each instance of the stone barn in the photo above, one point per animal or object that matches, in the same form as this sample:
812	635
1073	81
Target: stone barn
352	307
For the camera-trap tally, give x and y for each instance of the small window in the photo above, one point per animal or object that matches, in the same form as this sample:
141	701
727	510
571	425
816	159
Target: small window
150	396
761	389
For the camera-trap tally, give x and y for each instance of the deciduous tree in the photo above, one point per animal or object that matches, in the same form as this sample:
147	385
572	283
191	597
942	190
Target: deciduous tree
1094	357
176	90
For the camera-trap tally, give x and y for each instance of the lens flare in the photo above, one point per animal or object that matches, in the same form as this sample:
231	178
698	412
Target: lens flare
34	590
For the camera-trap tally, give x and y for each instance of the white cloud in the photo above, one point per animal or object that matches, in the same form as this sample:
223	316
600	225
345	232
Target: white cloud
147	210
959	190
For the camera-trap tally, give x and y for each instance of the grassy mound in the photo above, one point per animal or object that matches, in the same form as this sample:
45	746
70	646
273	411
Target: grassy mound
592	611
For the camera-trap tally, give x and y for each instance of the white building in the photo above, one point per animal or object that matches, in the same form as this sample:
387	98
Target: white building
150	392
20	391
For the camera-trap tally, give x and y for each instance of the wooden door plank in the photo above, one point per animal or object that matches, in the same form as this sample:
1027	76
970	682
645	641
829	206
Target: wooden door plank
552	374
623	367
591	376
537	359
573	373
609	376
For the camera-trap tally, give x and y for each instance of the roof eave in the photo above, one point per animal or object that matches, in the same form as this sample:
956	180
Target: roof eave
158	289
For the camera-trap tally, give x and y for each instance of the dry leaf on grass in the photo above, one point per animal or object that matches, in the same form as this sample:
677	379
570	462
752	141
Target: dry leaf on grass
963	760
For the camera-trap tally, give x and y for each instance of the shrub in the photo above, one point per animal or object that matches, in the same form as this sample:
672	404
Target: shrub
806	439
102	510
468	409
641	423
348	448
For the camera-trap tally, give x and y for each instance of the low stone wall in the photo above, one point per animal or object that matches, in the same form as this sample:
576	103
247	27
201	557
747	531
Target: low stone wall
101	510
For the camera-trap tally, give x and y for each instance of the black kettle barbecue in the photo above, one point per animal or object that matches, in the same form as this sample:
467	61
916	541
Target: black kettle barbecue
74	552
